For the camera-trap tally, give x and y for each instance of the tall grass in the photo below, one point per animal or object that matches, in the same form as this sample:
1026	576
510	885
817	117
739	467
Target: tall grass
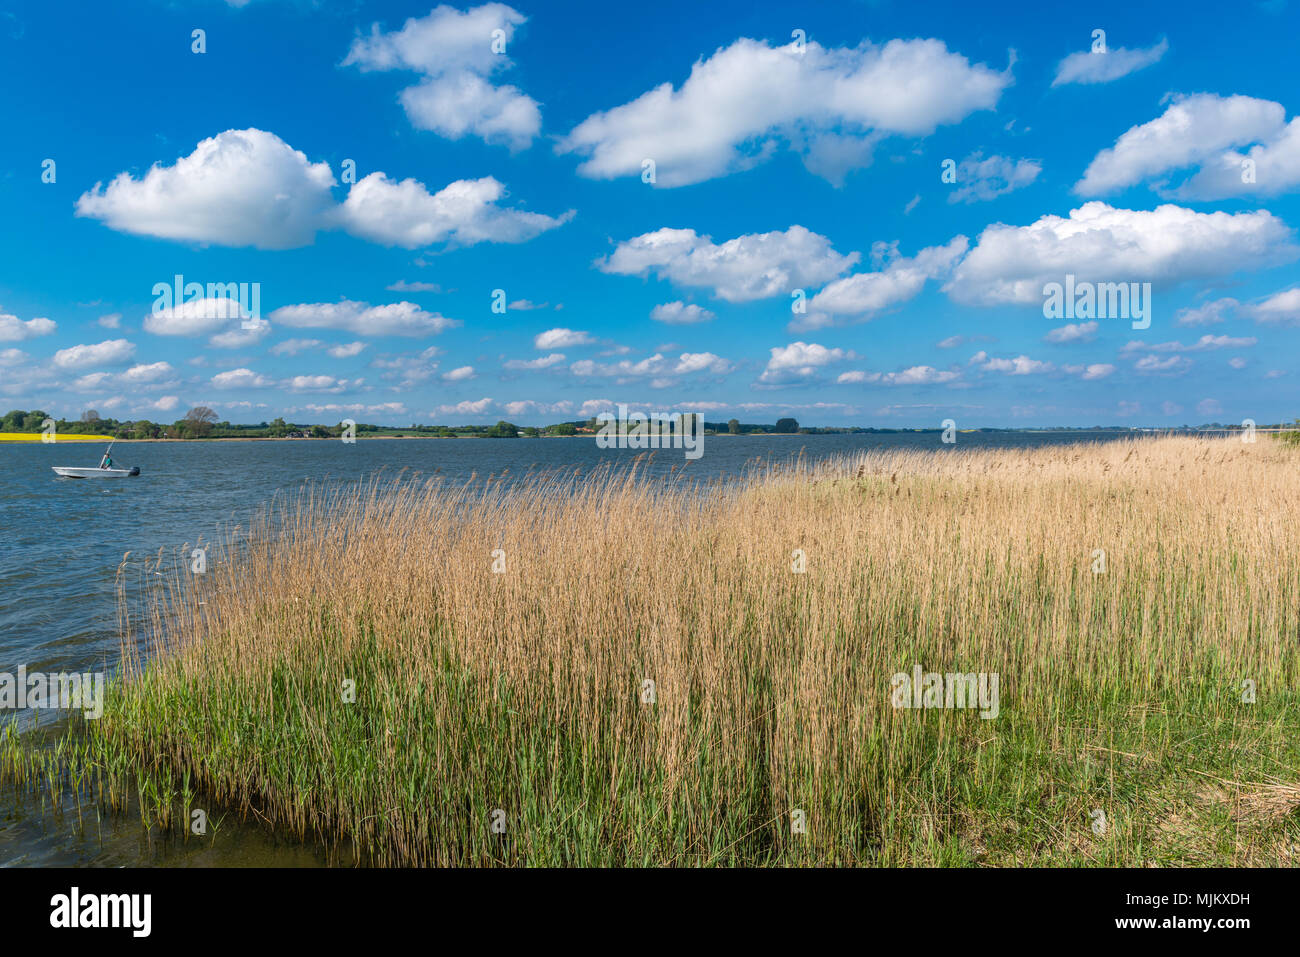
525	690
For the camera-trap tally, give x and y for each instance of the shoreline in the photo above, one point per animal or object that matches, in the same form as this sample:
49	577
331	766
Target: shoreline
10	438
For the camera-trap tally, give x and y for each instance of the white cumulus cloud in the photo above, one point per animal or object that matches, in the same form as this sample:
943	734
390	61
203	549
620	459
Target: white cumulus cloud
463	213
656	366
680	313
152	372
1073	332
755	266
454	53
240	379
346	350
361	318
746	101
863	296
1019	365
1192	130
108	352
238	188
1100	243
545	362
251	188
13	329
800	361
561	339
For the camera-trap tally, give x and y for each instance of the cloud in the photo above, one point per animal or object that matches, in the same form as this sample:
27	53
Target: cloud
679	313
240	379
1203	344
93	382
13	329
238	188
532	407
108	352
196	317
403	286
1103	67
111	321
151	373
1099	243
755	266
409	370
979	179
347	350
689	362
1092	372
1209	407
1193	129
1281	307
463	213
916	375
800	361
166	403
316	383
545	362
1208	314
389	409
476	407
1170	365
239	337
291	347
1020	365
1073	332
12	357
656	366
748	100
223	317
953	342
1270	168
454	53
361	318
462	374
250	188
865	295
561	339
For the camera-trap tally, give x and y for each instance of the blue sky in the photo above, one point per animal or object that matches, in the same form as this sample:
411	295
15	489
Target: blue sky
782	162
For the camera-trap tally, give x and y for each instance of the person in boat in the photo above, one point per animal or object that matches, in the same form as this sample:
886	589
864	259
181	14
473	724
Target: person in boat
106	462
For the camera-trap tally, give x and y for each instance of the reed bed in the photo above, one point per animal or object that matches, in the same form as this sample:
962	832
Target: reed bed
621	670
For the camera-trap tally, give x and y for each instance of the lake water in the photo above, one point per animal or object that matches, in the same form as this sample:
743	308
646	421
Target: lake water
61	541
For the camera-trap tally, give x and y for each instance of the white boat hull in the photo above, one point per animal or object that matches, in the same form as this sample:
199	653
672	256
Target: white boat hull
67	472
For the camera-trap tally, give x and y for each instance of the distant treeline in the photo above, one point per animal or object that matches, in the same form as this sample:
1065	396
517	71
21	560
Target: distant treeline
202	423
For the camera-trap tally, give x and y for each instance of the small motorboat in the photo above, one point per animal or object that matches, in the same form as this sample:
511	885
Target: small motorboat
105	469
68	472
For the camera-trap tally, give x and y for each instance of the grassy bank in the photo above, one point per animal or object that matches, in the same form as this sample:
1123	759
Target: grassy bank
365	674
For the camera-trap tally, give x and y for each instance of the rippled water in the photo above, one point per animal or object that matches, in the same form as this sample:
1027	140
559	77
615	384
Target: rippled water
62	540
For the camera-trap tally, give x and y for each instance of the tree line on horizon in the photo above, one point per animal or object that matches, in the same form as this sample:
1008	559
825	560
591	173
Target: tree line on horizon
202	422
